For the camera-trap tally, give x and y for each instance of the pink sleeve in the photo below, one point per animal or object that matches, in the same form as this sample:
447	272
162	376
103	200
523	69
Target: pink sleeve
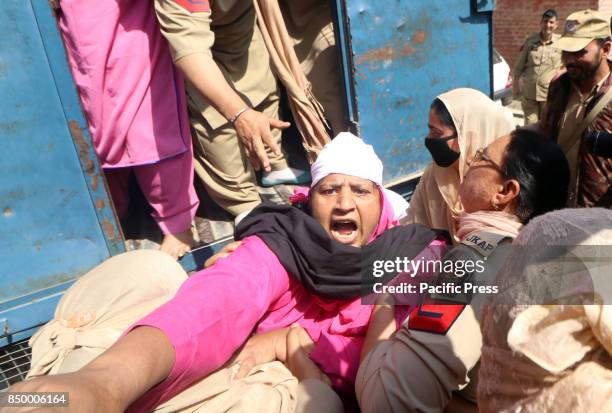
338	347
212	314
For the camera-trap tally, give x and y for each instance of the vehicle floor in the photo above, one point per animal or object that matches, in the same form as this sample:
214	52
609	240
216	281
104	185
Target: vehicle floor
212	223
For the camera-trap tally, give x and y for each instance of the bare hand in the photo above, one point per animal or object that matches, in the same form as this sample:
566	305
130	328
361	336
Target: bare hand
227	250
259	349
382	324
299	346
254	130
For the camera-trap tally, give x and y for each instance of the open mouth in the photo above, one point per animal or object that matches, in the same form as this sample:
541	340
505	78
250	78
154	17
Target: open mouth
344	231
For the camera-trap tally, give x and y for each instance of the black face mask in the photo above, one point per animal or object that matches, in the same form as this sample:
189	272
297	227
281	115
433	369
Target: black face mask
442	155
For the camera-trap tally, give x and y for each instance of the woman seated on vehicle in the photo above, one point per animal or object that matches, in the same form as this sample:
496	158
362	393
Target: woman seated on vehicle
291	268
460	122
434	356
547	342
513	179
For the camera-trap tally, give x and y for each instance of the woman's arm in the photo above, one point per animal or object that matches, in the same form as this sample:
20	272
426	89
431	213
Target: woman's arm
382	324
419	370
253	127
426	360
116	378
185	339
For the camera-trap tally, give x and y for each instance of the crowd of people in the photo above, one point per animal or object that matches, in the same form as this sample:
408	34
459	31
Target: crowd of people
285	320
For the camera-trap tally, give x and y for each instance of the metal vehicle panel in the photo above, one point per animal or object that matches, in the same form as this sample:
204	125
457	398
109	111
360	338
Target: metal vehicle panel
404	53
56	221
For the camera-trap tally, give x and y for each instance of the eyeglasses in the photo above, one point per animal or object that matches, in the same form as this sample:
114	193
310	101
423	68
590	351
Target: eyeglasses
481	155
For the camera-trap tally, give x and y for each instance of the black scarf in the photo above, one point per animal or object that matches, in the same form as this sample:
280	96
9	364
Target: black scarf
322	265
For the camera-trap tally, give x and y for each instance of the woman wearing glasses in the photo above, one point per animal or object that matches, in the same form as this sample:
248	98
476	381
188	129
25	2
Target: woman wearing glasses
432	360
431	363
460	122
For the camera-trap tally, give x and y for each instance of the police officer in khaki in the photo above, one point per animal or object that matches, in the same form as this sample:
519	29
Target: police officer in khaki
580	102
233	98
537	64
431	365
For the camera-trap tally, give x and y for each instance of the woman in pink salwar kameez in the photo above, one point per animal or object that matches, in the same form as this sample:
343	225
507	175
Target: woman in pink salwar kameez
292	267
134	101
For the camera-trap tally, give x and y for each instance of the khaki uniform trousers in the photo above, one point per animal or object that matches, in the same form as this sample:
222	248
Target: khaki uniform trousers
532	110
229	33
220	159
222	164
537	63
309	23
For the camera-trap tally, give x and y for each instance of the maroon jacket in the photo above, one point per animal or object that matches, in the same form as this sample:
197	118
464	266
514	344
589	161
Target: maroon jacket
594	173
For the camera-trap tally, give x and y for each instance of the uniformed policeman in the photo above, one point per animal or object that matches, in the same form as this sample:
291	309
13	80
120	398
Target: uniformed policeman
438	349
233	93
233	96
537	64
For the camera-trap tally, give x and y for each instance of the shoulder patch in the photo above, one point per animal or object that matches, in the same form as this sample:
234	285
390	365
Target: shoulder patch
434	318
483	242
194	6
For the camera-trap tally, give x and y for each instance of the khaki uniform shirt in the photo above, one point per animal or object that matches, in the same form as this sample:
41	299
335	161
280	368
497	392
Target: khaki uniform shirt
537	64
229	33
436	353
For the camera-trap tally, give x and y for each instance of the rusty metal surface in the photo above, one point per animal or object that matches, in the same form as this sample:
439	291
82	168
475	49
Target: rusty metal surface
93	174
55	219
404	54
90	166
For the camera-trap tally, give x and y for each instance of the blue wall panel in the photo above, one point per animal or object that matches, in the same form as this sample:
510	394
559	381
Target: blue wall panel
56	221
405	52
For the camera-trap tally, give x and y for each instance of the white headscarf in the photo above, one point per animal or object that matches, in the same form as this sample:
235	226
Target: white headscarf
349	155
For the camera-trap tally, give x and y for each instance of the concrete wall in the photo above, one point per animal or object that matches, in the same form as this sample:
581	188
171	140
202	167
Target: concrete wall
605	6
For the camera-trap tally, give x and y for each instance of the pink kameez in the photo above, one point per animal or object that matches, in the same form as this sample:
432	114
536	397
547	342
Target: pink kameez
134	100
217	309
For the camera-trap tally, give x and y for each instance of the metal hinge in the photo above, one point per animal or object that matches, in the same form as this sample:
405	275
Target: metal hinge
4	327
